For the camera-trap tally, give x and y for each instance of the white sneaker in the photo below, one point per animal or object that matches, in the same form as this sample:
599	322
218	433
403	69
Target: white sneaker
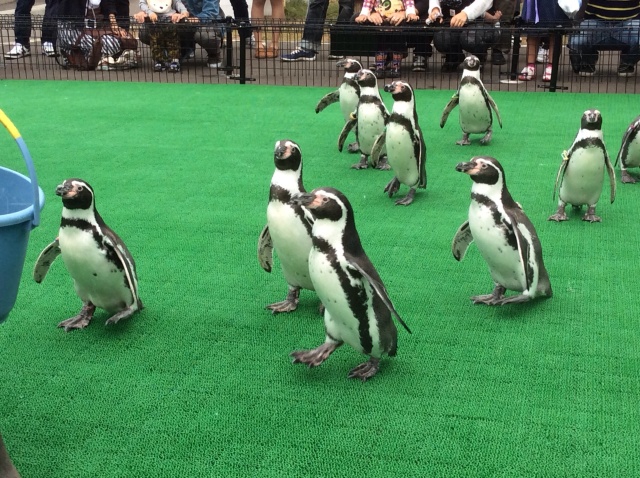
18	51
47	49
543	55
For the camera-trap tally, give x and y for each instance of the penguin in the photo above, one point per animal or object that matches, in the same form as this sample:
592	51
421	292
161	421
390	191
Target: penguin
581	172
348	94
629	154
475	104
504	235
102	268
358	310
288	228
369	118
406	150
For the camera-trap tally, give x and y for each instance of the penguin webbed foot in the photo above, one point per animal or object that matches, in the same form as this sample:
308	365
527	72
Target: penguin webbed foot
365	370
590	215
464	141
495	298
625	177
559	216
383	164
362	164
79	321
353	147
392	187
486	139
514	299
408	199
314	357
123	314
287	305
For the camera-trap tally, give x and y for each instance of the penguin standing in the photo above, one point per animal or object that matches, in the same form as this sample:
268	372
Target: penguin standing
504	235
357	307
581	172
288	228
101	266
629	154
348	94
369	119
406	150
475	104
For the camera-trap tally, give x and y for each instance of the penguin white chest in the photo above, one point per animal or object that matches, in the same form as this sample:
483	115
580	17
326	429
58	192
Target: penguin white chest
583	178
401	154
475	114
96	279
370	125
292	243
339	320
348	100
498	250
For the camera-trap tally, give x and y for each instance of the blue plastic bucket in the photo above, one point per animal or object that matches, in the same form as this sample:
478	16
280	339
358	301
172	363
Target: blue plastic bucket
21	201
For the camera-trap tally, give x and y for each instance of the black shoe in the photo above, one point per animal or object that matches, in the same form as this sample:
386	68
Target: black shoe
497	58
380	73
587	70
626	70
159	66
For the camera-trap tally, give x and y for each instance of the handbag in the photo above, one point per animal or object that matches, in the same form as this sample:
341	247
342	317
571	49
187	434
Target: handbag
570	7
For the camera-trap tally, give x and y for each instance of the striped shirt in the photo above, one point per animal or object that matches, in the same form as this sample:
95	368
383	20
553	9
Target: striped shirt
616	10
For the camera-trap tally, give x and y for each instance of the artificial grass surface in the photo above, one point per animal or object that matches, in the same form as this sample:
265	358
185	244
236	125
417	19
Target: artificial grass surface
199	383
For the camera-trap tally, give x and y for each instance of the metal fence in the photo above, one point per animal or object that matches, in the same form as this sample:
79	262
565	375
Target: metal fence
240	65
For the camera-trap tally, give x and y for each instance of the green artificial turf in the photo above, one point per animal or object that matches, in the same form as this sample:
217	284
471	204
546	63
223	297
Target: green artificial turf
199	384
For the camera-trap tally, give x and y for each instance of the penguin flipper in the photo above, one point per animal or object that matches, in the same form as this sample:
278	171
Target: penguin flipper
493	105
126	261
421	150
265	249
461	241
377	147
453	102
525	252
327	100
44	261
612	176
379	289
348	126
560	175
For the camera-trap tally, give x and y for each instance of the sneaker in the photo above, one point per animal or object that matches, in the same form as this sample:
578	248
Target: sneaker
174	66
547	72
214	62
250	42
626	70
418	63
528	73
497	58
159	66
18	51
106	64
543	55
299	54
587	70
47	49
188	55
336	57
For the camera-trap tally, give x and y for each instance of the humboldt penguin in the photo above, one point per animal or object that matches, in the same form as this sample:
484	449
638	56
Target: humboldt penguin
348	94
98	261
504	235
581	172
369	119
629	154
475	104
358	310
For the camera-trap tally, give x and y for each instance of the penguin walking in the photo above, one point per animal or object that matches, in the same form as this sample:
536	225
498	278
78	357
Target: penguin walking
629	154
404	142
288	228
504	235
581	172
98	261
347	94
358	310
369	119
475	104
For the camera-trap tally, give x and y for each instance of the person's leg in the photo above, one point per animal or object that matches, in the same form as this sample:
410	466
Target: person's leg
529	72
257	13
22	28
314	25
49	22
582	52
447	41
345	11
209	37
478	39
277	16
629	35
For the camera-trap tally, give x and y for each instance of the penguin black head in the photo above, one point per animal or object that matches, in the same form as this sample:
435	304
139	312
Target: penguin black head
591	120
76	194
471	63
326	203
366	78
400	91
483	169
350	65
287	155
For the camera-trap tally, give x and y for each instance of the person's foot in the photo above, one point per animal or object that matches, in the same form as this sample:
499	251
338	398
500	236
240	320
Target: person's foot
299	54
528	73
419	63
547	72
159	66
336	57
587	70
174	66
47	49
214	62
626	70
543	55
18	51
497	58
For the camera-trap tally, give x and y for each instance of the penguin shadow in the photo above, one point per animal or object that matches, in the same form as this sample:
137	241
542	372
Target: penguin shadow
512	312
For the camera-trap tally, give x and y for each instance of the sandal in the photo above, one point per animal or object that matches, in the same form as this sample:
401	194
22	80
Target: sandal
528	73
261	51
271	52
547	72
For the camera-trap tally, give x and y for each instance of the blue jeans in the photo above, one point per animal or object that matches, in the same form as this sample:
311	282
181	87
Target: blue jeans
22	28
314	22
605	33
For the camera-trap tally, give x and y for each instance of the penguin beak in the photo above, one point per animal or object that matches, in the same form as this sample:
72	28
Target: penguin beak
63	189
280	151
303	199
342	63
389	88
467	168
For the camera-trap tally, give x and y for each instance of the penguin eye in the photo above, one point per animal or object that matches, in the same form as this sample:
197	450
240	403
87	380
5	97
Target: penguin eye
80	189
484	166
325	199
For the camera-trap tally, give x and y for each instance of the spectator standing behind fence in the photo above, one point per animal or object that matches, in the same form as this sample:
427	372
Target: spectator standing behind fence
454	41
607	23
540	15
22	31
507	9
314	28
277	15
393	12
163	33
